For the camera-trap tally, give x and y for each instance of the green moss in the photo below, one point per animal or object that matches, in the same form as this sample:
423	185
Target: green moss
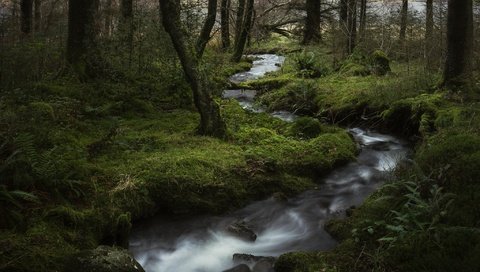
380	63
354	69
306	127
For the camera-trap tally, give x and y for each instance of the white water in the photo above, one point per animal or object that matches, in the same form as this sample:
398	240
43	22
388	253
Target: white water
202	244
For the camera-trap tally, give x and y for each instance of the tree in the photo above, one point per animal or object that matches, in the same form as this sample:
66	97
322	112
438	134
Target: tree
126	26
207	27
458	65
225	23
82	37
245	30
239	21
343	16
211	123
403	21
312	22
26	8
429	33
363	19
38	15
352	25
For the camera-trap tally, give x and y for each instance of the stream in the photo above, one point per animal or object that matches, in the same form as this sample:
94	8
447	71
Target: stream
202	244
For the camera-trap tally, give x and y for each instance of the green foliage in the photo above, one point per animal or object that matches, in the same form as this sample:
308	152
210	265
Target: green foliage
306	127
309	65
380	63
298	97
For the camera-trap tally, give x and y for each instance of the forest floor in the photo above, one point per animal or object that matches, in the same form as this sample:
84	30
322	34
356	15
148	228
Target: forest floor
81	161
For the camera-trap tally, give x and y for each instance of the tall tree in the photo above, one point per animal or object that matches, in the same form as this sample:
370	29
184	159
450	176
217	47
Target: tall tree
429	33
403	21
26	8
38	15
108	17
126	26
363	19
211	123
239	21
245	30
312	22
207	27
225	23
82	37
352	25
458	66
343	14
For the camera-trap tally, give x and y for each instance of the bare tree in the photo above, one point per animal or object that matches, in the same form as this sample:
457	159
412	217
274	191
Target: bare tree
26	8
312	22
245	30
239	21
225	23
352	25
403	21
207	27
363	19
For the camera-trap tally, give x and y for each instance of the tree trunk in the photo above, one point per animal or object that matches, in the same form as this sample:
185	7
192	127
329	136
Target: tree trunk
363	19
343	14
211	123
108	17
403	21
312	22
239	21
458	66
81	41
26	8
429	34
126	26
207	28
225	23
352	25
246	26
38	15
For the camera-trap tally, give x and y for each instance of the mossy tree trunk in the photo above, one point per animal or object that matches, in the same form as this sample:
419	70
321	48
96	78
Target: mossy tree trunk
343	17
429	34
204	36
82	36
403	22
126	26
239	21
211	123
37	15
352	25
225	23
312	22
246	26
458	66
26	8
363	20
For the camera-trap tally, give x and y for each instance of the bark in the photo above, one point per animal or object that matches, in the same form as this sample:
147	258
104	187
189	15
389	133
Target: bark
363	19
239	21
126	26
211	123
458	66
246	26
207	27
343	14
108	17
429	33
38	15
403	21
312	22
26	8
81	41
225	23
352	25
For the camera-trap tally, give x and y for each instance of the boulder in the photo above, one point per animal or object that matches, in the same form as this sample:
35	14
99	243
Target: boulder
242	231
239	268
103	259
264	265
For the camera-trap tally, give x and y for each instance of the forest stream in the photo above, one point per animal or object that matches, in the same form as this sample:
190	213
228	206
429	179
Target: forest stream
203	244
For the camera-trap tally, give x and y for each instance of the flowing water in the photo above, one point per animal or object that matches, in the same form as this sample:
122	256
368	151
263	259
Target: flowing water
202	244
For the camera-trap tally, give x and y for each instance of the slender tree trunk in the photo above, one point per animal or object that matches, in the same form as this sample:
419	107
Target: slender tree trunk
126	26
458	66
211	123
343	14
38	15
108	17
207	28
225	23
239	21
246	26
352	25
429	34
81	42
26	8
403	21
363	20
312	22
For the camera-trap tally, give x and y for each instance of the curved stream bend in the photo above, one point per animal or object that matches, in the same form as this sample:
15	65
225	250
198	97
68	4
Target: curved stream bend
202	244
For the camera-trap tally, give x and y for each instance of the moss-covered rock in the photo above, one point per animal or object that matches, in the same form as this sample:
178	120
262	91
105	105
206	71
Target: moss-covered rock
380	63
306	128
103	259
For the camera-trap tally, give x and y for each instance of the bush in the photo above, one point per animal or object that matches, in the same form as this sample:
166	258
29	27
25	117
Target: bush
306	128
309	65
380	63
